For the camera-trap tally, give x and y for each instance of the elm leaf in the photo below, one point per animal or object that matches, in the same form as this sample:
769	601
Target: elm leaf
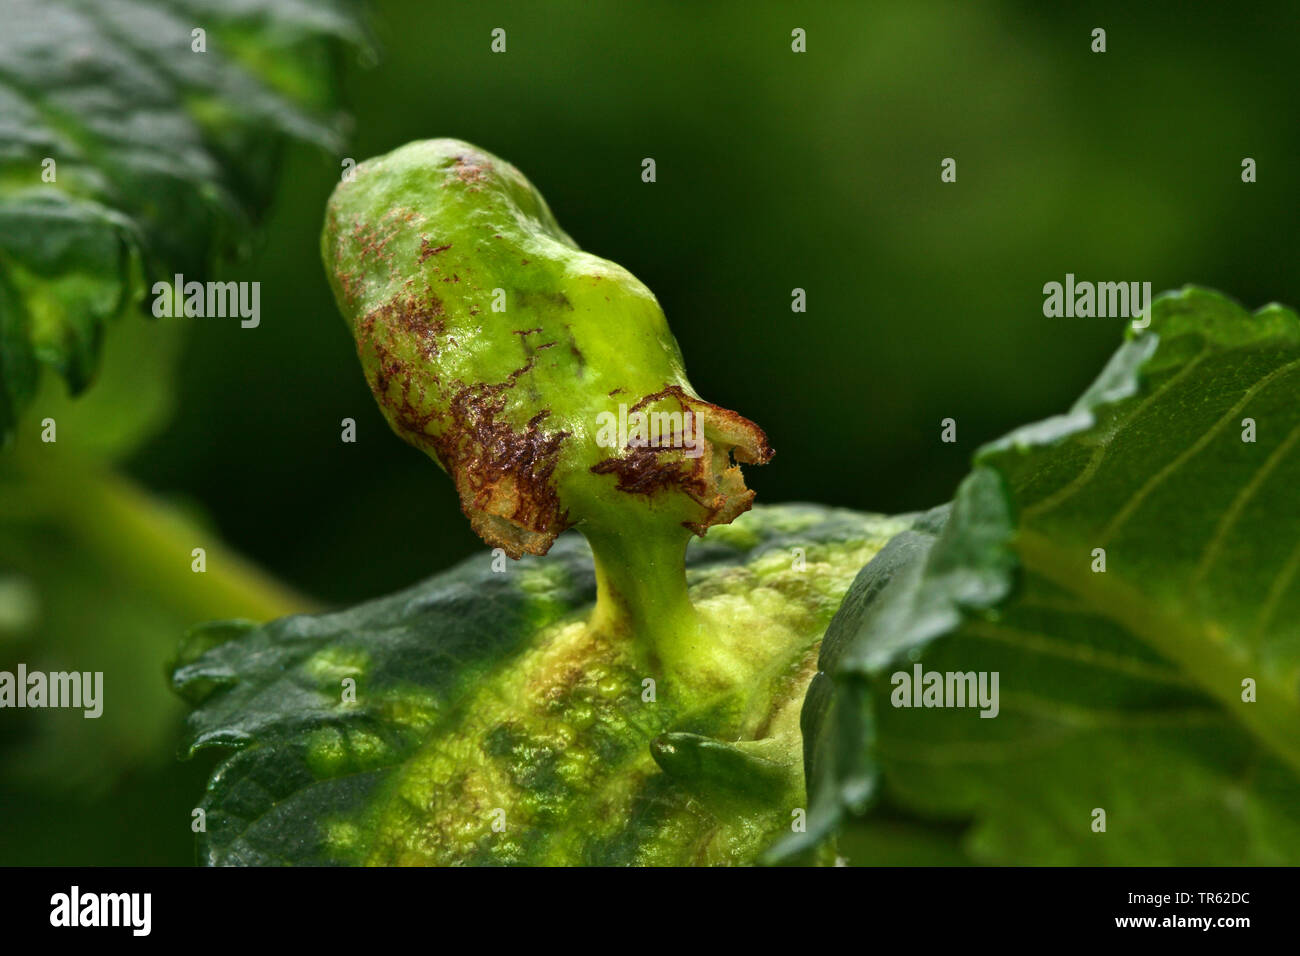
487	723
1163	690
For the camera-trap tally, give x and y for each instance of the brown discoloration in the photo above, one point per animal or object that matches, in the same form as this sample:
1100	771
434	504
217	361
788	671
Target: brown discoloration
472	170
644	471
551	688
535	300
793	686
424	324
573	348
713	480
418	319
371	239
503	474
428	249
746	439
403	320
350	285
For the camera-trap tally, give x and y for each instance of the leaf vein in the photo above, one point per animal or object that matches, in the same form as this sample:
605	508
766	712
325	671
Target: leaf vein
1190	452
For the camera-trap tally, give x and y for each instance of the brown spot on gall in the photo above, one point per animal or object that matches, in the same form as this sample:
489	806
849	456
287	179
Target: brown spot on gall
713	479
428	249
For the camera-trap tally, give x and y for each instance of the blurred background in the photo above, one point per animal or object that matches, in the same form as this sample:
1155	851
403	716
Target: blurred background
775	170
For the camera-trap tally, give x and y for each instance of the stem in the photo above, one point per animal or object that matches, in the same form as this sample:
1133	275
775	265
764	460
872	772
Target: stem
127	528
641	592
125	523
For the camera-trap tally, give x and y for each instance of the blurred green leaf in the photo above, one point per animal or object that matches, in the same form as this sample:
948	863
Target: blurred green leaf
1123	689
125	154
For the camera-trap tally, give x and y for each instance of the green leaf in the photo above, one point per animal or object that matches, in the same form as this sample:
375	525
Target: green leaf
162	156
1123	690
478	691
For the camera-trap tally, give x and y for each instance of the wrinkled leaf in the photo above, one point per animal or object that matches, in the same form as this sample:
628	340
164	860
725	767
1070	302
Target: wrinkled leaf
478	692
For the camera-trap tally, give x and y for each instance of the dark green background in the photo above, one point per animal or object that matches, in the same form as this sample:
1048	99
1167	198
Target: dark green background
775	170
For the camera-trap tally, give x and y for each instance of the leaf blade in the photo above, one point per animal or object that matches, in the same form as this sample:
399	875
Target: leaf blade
480	690
1116	685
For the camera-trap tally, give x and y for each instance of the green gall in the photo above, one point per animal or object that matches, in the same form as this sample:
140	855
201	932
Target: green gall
542	378
509	355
